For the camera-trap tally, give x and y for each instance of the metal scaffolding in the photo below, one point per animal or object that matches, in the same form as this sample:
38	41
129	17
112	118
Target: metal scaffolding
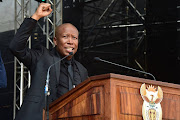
22	78
113	29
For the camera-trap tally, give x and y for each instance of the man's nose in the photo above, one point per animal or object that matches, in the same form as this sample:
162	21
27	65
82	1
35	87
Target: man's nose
70	40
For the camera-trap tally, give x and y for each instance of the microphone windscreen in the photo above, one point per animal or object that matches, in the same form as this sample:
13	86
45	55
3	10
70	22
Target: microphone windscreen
71	53
97	59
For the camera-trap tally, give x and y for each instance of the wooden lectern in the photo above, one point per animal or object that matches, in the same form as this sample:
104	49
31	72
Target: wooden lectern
113	97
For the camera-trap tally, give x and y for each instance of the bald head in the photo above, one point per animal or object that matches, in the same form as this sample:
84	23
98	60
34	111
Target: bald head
60	28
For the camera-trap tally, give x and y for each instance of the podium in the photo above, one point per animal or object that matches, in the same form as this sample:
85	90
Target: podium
113	97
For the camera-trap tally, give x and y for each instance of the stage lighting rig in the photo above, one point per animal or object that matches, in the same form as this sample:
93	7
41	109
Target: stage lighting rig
41	1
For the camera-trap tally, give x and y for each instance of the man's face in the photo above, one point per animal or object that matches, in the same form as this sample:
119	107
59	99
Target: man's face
66	40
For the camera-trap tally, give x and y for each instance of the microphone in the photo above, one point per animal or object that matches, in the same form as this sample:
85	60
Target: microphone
99	59
47	92
46	89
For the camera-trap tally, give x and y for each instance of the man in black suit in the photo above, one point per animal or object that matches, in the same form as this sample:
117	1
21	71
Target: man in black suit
38	61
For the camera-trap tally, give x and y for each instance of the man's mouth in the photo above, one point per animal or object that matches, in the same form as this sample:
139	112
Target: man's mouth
69	48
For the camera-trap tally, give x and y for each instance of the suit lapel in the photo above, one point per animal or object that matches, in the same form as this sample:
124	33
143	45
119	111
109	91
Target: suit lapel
82	71
56	67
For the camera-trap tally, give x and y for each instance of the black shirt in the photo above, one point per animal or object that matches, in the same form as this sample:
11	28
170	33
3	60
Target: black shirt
63	83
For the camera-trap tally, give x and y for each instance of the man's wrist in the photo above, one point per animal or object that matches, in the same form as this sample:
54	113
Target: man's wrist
35	17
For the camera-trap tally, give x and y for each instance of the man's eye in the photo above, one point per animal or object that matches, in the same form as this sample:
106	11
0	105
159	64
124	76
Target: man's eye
64	36
75	38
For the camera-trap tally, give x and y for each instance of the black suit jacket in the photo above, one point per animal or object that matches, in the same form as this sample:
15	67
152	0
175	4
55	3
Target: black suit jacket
38	62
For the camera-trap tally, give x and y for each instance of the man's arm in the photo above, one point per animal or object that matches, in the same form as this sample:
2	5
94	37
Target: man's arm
18	44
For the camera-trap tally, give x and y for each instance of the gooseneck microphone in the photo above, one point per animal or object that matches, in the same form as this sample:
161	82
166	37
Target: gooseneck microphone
101	60
48	76
46	89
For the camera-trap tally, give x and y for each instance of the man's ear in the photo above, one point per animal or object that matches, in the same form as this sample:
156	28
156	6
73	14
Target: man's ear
55	41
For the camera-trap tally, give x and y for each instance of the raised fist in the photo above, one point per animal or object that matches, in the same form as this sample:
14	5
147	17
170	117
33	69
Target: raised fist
43	10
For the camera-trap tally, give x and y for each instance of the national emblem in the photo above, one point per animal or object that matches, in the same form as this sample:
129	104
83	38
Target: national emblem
151	109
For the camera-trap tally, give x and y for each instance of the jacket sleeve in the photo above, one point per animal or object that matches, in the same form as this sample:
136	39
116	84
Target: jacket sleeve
18	45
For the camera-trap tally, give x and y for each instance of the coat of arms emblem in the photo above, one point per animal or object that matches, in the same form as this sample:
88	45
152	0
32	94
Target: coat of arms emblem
151	109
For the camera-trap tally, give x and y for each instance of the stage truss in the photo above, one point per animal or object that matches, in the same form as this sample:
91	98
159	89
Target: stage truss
115	31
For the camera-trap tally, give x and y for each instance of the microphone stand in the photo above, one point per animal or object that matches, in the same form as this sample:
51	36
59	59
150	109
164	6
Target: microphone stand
98	59
47	90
